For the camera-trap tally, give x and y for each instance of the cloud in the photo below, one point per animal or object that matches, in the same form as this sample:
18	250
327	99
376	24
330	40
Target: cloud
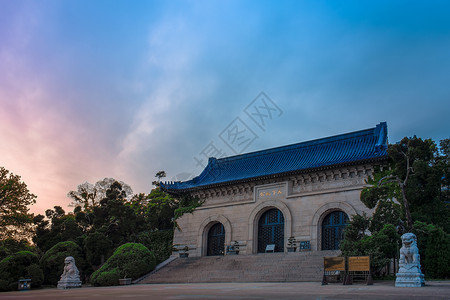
151	86
42	140
329	72
171	93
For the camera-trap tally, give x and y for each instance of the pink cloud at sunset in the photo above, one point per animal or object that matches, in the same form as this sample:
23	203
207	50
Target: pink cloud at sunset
96	89
43	145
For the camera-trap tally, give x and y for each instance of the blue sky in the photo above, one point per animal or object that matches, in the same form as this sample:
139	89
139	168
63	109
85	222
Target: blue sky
123	89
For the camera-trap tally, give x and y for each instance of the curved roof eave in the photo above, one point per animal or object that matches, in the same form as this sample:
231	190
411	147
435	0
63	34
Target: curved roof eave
272	176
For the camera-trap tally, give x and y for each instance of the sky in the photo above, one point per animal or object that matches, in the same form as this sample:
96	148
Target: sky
94	89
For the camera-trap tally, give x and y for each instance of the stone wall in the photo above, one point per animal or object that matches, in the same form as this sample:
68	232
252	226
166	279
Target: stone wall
303	199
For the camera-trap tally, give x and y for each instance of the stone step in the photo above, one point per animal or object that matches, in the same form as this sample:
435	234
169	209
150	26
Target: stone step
297	266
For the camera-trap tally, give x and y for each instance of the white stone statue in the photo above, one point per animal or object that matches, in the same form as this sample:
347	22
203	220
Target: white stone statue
70	278
409	273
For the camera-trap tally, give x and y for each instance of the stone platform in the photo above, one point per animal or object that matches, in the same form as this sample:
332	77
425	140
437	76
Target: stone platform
436	290
69	284
262	267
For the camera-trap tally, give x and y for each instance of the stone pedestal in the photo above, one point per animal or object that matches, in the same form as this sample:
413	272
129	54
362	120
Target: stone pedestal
409	280
69	284
409	275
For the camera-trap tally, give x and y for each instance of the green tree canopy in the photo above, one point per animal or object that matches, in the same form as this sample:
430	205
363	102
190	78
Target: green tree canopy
58	227
98	248
412	188
433	243
52	261
22	264
413	179
10	246
161	210
88	195
15	199
98	225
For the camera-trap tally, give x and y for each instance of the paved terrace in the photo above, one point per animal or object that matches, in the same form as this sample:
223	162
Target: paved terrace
262	290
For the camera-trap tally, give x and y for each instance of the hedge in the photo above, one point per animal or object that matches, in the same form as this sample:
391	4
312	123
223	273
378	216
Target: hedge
131	260
21	265
52	261
159	242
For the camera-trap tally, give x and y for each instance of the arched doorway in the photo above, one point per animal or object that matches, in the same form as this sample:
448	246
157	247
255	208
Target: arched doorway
216	240
271	230
333	226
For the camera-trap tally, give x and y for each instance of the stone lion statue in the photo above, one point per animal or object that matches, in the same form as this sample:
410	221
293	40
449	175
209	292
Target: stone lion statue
70	270
409	274
70	277
409	253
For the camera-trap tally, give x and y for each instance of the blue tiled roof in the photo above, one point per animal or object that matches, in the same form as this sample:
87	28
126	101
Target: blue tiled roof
345	149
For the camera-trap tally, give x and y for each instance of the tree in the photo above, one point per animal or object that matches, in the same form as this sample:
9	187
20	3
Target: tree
382	196
52	261
411	187
100	224
15	219
444	163
161	210
187	203
10	246
160	242
114	217
159	175
98	248
156	209
382	245
22	264
89	195
412	179
433	243
58	227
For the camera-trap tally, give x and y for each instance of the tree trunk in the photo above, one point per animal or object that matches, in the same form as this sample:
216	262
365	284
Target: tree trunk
409	224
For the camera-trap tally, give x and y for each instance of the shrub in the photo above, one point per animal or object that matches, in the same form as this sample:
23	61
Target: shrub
130	260
108	278
159	242
52	261
10	246
21	265
433	243
4	284
36	274
381	246
97	247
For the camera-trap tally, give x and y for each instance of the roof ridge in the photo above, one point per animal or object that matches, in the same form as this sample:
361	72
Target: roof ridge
347	148
304	144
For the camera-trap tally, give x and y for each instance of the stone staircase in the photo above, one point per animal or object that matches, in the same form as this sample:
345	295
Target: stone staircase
261	267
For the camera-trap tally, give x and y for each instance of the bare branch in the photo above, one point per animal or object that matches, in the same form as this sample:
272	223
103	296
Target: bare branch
404	154
389	179
407	170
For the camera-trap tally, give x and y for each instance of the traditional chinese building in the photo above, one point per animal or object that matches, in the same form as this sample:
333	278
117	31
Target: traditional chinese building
307	190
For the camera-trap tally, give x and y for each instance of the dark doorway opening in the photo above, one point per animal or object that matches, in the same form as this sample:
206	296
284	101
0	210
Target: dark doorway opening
216	240
271	230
